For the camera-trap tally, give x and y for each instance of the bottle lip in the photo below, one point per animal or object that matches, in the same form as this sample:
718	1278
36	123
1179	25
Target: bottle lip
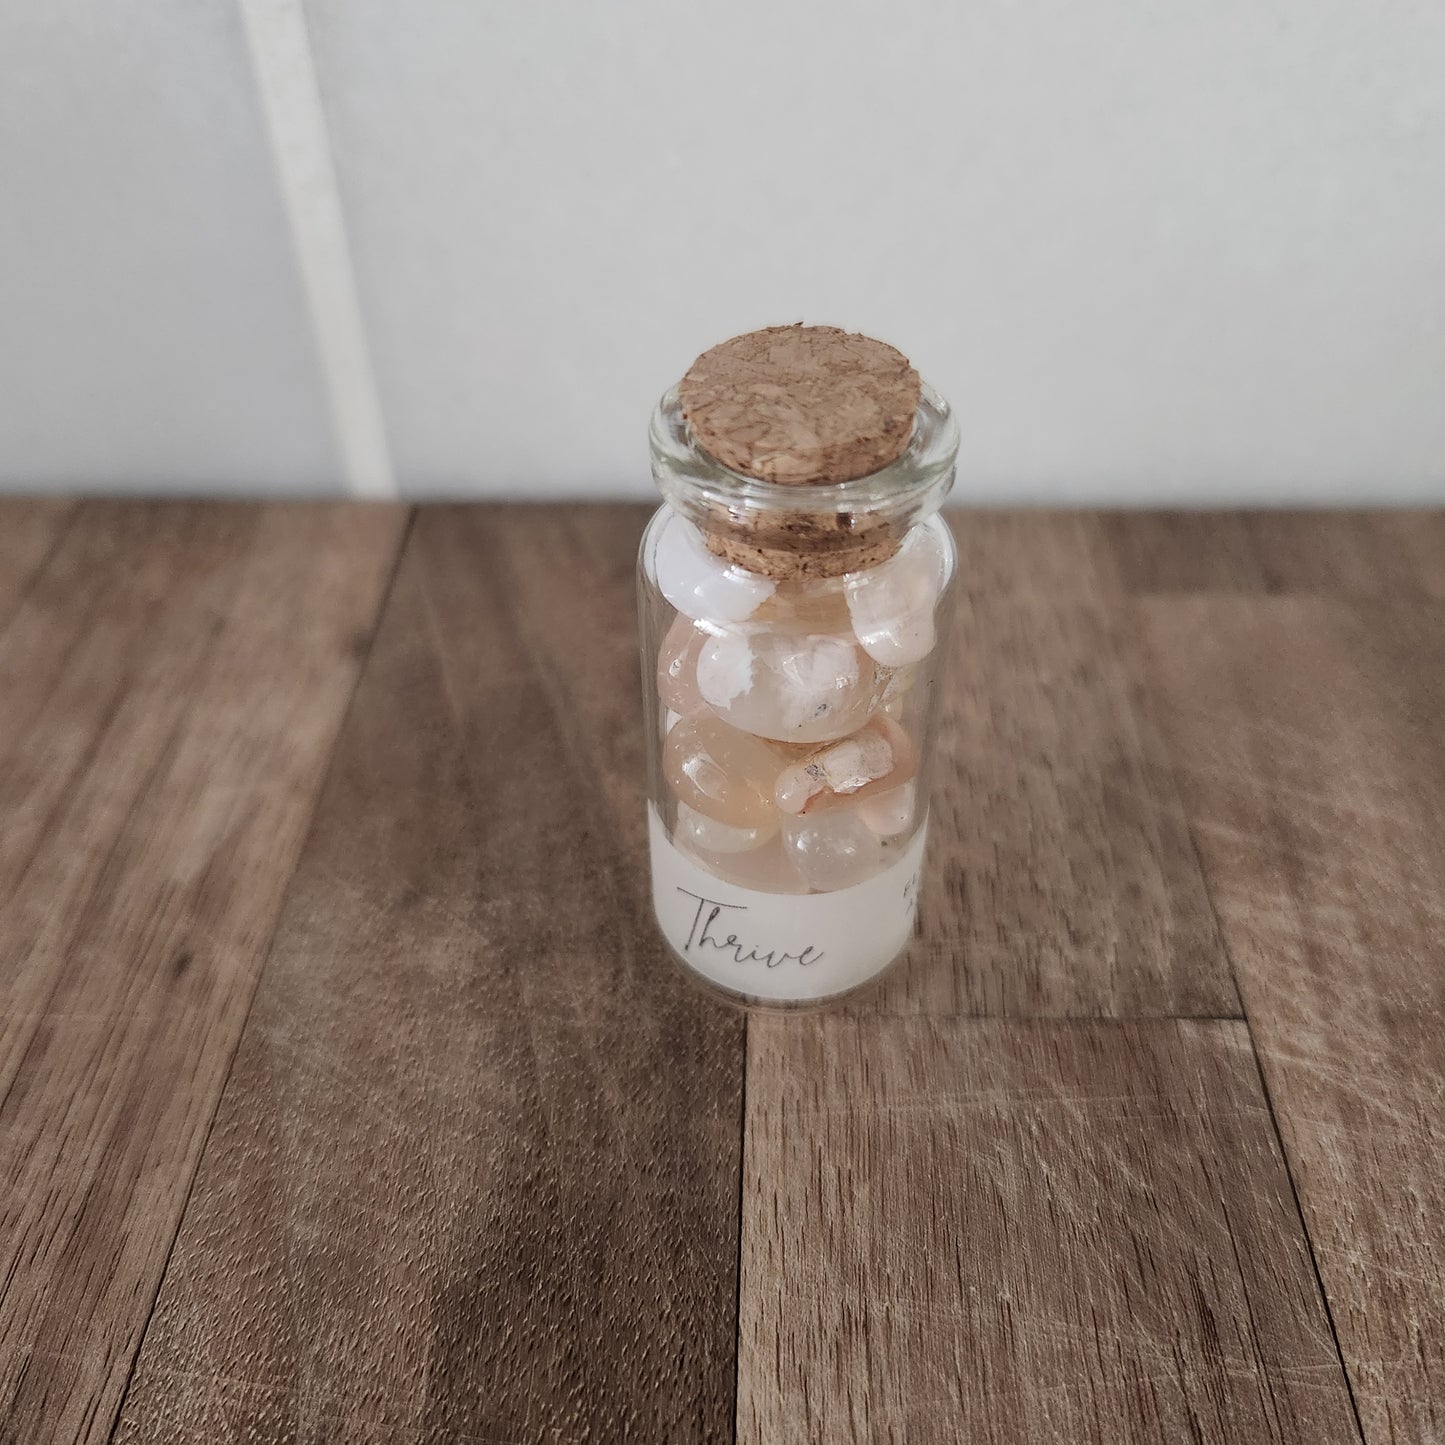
921	476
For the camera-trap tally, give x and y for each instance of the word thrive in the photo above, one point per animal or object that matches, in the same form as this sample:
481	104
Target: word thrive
702	933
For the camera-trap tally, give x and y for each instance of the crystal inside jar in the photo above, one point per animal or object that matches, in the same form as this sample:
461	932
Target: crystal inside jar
792	634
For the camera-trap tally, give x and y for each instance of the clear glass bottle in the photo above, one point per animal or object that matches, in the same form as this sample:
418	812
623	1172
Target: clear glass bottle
791	639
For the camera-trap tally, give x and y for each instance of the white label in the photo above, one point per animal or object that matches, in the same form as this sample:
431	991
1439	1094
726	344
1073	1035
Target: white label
780	946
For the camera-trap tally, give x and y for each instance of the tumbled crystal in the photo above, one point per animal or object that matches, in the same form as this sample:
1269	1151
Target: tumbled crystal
834	850
892	604
789	685
769	868
876	759
707	835
677	666
700	585
889	814
814	605
720	772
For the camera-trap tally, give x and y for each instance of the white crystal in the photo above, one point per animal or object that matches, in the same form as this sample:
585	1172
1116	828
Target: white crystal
670	720
834	850
892	604
876	759
700	585
890	813
706	835
841	767
798	687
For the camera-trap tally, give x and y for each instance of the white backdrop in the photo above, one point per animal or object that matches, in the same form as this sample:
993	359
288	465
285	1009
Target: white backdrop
1154	252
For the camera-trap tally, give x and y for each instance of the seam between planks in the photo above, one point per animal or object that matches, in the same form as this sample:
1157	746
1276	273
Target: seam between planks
1259	1071
1304	1223
1153	701
378	614
742	1199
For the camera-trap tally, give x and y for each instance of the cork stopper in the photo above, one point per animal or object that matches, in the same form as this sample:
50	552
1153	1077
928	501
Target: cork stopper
801	406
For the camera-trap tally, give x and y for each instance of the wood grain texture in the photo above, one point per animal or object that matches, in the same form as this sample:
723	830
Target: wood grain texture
994	1232
169	690
1308	736
29	532
475	1174
1061	876
1033	556
1397	554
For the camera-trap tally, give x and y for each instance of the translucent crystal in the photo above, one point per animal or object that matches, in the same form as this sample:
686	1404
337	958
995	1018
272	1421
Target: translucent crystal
892	604
724	774
677	666
706	835
794	686
902	703
700	585
889	814
896	683
815	606
876	759
769	869
834	850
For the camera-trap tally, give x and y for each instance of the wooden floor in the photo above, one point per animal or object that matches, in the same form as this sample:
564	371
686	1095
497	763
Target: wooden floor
348	1094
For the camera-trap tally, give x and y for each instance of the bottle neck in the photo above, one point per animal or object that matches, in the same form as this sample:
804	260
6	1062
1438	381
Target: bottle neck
810	530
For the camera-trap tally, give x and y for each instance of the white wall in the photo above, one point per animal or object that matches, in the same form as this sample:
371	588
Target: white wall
1153	251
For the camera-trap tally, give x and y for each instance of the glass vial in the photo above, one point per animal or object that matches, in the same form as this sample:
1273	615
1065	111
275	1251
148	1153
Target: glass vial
791	591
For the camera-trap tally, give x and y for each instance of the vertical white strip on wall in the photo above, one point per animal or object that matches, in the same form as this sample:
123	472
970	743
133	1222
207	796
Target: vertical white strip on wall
291	99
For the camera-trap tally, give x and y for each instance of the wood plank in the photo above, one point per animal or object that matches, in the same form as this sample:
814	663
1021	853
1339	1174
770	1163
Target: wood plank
169	693
30	529
1033	555
475	1174
1061	876
994	1232
1308	737
93	672
1368	554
